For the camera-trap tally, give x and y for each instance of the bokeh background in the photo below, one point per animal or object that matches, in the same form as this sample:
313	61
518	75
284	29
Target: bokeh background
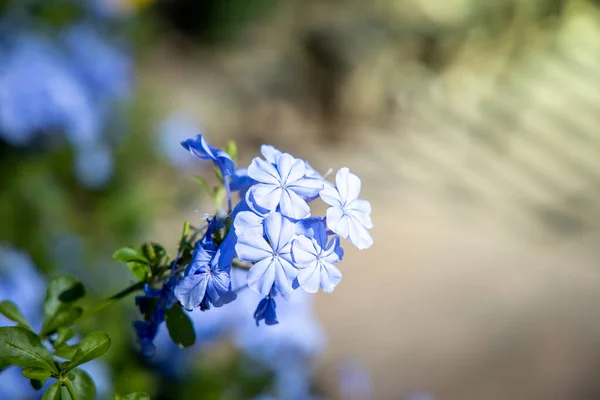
475	129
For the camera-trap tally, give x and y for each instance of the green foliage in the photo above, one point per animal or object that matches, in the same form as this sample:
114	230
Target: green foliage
39	374
232	150
93	345
133	396
54	392
136	261
59	310
62	335
180	327
82	384
12	312
23	348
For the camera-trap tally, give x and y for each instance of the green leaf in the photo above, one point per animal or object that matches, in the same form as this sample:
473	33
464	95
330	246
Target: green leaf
54	392
23	348
62	318
83	385
180	327
11	311
39	374
136	396
61	292
218	173
92	346
139	269
129	253
232	150
154	252
65	351
62	335
36	384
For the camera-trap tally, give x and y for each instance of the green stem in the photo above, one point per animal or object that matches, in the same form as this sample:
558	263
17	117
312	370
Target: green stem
113	299
70	389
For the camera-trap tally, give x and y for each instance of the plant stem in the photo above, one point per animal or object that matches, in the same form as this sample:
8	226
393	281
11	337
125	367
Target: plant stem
113	299
70	389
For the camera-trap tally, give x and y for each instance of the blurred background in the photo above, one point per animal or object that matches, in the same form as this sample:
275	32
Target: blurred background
473	125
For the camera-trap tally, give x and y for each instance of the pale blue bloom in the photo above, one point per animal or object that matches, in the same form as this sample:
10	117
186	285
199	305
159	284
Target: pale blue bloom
273	263
241	182
282	185
172	130
248	222
314	259
94	165
348	215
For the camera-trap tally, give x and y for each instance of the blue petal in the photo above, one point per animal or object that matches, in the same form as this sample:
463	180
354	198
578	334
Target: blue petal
266	311
191	290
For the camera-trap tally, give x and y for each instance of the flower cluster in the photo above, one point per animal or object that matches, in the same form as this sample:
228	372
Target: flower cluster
270	232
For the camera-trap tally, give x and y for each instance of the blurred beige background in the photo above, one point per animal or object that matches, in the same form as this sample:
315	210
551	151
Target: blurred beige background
475	128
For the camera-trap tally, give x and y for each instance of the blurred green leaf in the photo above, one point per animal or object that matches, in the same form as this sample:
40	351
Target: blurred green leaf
58	310
12	312
133	396
232	150
219	194
129	253
62	335
154	252
82	383
93	345
39	374
180	327
36	384
204	183
54	392
139	269
62	318
23	348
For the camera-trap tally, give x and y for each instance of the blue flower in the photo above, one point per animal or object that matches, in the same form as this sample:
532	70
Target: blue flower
104	68
207	280
241	182
273	263
266	311
348	215
314	259
146	332
248	222
282	184
198	147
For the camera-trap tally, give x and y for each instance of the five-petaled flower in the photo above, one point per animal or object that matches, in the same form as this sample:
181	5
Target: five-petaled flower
271	255
314	258
282	184
348	215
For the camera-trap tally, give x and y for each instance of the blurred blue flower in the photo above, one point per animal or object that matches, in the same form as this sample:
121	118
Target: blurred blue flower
201	149
103	68
173	130
271	255
348	215
94	165
39	93
355	382
283	184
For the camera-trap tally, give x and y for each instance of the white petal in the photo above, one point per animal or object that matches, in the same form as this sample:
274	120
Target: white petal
348	185
285	273
337	221
248	222
270	153
303	250
265	195
309	278
293	206
290	168
330	277
306	187
359	235
252	248
361	217
331	196
261	276
264	172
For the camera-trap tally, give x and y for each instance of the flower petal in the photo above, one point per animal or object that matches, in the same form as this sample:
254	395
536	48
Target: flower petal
261	276
358	234
361	210
293	206
348	185
330	277
264	172
191	290
270	153
337	221
253	248
303	250
306	187
285	273
279	230
266	196
309	278
331	196
290	169
333	253
248	222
